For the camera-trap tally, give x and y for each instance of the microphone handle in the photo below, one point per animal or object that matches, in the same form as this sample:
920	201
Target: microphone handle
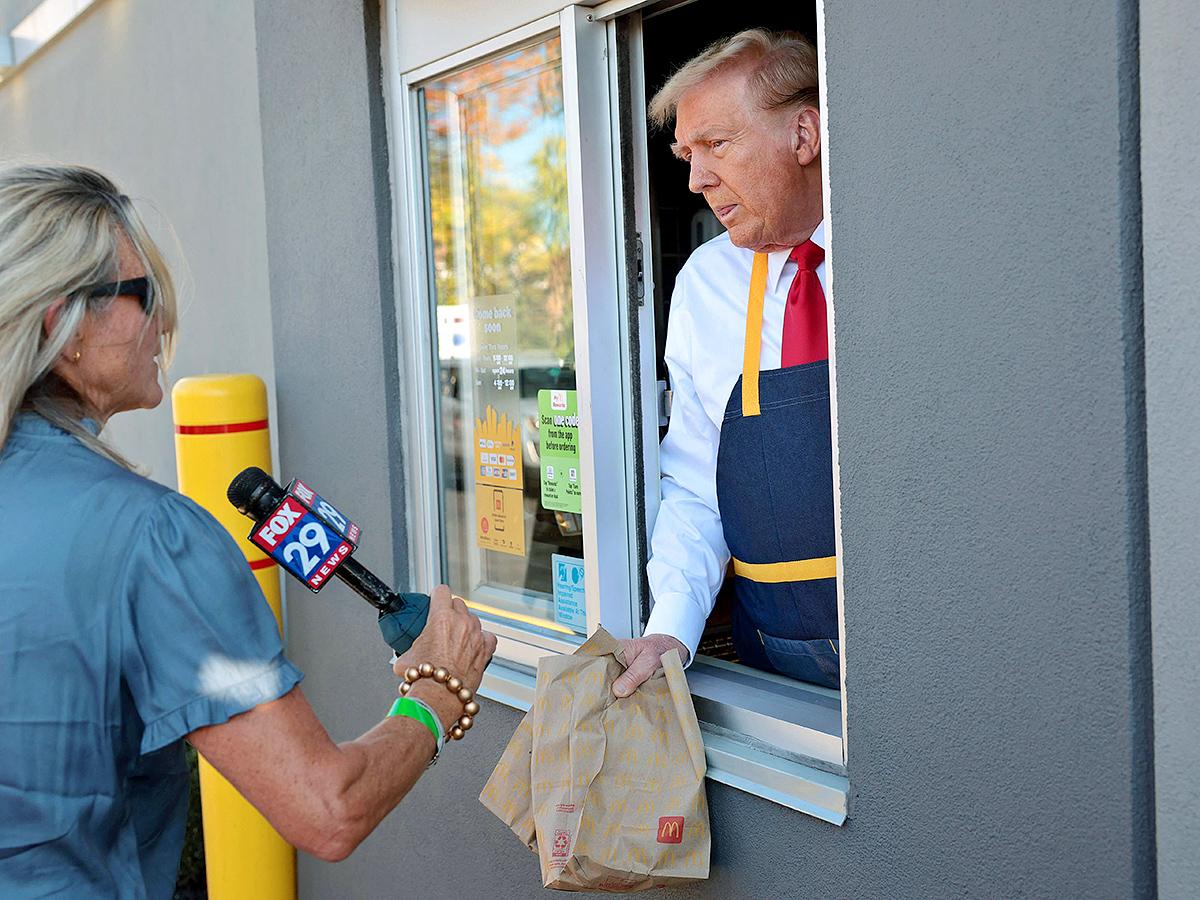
401	616
366	584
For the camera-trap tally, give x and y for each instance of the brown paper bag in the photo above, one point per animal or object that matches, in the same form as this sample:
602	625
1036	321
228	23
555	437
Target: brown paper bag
609	793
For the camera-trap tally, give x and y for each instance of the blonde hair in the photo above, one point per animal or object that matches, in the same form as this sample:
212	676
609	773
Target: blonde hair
59	234
782	69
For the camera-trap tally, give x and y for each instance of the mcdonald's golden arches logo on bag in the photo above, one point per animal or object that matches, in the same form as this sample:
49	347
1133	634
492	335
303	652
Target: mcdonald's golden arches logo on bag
670	829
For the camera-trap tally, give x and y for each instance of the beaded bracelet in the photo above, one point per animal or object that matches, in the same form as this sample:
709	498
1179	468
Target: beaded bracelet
442	676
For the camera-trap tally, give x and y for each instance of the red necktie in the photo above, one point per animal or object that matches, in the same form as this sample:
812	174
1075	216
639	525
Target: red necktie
805	338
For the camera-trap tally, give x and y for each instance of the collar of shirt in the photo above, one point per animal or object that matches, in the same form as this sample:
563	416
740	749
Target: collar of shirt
32	423
779	258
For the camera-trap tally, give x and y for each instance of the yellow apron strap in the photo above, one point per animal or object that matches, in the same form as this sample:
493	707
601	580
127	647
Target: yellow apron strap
796	570
754	317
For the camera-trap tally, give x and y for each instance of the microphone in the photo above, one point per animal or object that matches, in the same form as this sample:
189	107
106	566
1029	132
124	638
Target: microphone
312	541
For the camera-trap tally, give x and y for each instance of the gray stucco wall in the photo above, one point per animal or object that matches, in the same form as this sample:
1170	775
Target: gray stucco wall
334	339
990	498
1170	39
164	97
989	432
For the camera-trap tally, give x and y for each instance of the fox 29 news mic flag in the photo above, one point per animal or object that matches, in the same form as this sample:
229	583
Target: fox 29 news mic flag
609	793
309	544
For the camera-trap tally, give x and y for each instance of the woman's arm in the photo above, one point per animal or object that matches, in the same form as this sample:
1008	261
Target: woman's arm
322	797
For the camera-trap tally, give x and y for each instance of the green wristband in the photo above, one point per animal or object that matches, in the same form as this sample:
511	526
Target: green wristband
413	708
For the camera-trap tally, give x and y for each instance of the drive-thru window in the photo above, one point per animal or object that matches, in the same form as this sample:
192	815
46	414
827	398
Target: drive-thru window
541	229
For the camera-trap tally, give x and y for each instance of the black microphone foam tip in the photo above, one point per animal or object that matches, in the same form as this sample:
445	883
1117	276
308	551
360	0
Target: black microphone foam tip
253	492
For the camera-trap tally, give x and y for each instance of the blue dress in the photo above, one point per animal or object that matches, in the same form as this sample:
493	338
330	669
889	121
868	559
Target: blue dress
128	618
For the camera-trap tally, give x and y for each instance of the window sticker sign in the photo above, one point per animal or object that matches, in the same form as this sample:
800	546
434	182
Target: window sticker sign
558	447
494	352
499	476
570	608
499	503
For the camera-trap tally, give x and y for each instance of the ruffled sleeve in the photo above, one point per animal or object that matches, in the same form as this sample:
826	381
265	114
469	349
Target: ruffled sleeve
199	641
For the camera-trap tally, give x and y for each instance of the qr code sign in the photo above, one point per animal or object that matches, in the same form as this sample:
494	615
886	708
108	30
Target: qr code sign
562	844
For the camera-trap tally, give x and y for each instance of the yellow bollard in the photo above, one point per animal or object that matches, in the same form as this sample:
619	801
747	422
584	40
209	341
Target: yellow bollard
220	428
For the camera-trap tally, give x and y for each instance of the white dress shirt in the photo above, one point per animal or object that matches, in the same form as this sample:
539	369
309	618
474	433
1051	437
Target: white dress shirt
705	343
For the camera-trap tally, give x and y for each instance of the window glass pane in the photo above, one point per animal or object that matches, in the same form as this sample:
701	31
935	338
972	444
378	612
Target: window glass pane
501	281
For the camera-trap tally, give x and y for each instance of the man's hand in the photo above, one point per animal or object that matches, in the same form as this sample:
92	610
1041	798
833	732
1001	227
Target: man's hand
453	638
643	657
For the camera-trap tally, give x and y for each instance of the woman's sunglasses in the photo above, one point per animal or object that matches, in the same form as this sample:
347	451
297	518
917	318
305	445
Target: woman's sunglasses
134	287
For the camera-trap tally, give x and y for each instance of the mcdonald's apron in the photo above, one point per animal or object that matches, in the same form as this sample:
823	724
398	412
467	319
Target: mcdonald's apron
775	495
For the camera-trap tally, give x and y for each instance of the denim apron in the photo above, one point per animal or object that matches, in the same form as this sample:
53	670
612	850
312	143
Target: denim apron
775	494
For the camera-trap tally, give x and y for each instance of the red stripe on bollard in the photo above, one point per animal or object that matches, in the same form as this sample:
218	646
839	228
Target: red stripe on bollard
257	564
222	429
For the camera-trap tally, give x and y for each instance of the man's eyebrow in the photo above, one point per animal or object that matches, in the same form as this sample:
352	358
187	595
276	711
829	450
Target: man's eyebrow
705	136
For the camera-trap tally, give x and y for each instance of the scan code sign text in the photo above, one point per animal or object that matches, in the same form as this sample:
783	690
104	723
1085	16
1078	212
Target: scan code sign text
301	542
325	510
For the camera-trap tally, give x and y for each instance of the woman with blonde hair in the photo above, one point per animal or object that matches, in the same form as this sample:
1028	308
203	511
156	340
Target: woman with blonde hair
129	619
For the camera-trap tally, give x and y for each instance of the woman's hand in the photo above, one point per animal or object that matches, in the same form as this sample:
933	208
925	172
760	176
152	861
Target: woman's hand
452	638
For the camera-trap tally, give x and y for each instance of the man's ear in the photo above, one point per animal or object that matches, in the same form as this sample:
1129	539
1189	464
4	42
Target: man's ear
806	137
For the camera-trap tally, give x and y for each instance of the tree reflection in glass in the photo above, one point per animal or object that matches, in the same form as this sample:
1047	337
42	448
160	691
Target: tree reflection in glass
501	280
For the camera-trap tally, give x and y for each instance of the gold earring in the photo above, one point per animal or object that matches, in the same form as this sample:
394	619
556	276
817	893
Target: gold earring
75	358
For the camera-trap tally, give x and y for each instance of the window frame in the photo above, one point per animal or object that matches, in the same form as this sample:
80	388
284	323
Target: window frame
796	757
597	325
